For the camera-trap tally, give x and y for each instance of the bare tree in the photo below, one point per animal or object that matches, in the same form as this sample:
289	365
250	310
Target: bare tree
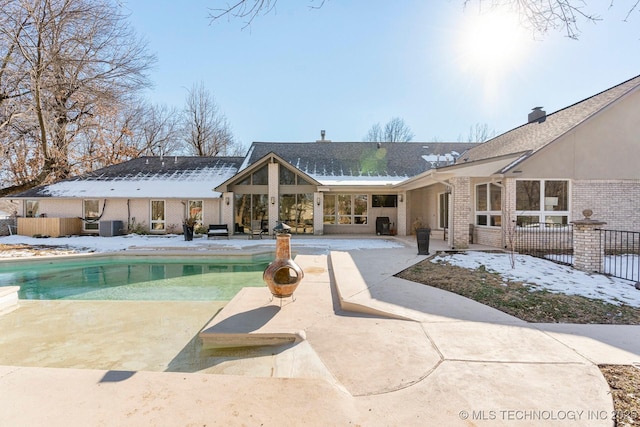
540	15
207	130
248	10
396	130
478	133
375	134
66	62
545	15
159	130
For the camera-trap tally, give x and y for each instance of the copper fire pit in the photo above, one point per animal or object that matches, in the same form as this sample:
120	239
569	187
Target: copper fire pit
283	275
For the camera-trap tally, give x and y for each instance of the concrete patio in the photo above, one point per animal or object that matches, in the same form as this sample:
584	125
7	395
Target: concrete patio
357	347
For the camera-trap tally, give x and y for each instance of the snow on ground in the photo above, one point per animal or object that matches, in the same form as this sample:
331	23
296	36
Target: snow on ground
542	274
148	242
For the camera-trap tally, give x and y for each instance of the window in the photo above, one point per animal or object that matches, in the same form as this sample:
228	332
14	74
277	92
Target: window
32	208
346	209
91	213
542	201
261	176
194	210
384	201
157	215
443	210
489	205
288	177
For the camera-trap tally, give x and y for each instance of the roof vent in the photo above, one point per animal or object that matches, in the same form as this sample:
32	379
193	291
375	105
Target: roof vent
537	114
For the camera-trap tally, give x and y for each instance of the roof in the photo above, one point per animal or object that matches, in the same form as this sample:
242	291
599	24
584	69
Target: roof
531	137
146	177
360	163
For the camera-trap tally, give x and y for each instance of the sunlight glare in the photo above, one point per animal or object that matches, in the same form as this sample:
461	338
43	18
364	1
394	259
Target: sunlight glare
491	42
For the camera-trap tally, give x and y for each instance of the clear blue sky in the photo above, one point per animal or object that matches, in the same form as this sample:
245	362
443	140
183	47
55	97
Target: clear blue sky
351	64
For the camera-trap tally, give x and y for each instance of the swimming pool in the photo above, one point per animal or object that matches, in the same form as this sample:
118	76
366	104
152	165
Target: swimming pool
136	278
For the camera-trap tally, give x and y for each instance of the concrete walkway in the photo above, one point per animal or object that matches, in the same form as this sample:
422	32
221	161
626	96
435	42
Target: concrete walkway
357	347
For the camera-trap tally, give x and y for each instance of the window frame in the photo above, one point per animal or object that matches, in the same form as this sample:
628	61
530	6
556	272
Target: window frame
443	210
346	209
543	214
492	214
90	225
195	209
31	208
161	222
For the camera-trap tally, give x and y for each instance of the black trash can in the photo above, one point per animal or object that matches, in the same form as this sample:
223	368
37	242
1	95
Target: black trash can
422	234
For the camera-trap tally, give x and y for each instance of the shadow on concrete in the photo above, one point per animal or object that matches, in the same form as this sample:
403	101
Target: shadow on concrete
116	376
245	322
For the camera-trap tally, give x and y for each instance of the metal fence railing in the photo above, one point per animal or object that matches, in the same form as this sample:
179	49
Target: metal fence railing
621	252
545	240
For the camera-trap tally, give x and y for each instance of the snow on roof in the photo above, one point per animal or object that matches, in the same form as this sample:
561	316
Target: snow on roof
193	183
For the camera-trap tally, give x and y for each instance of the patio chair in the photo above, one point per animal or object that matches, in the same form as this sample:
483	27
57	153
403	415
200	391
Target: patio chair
256	229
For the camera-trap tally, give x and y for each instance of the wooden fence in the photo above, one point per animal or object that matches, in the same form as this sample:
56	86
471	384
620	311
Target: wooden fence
51	227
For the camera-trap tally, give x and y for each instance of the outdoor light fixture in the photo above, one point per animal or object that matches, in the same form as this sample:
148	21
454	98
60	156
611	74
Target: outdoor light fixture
401	198
273	200
226	200
318	201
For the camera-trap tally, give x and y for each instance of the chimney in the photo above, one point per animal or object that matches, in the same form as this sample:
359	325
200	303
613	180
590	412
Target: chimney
322	134
537	114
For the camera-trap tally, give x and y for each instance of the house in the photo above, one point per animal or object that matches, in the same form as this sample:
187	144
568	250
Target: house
546	171
316	188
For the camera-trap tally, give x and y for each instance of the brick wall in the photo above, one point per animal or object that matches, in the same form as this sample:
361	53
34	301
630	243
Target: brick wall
613	201
461	211
587	251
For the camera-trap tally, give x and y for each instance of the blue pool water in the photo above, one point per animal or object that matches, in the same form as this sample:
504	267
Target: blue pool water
142	278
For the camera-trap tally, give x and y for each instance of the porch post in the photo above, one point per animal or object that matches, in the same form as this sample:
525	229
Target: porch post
587	250
273	200
318	214
401	221
226	211
461	195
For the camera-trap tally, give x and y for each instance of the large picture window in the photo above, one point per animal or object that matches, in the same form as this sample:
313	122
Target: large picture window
346	209
296	210
542	201
251	207
489	205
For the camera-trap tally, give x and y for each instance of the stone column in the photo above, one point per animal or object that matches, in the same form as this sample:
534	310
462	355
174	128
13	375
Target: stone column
587	250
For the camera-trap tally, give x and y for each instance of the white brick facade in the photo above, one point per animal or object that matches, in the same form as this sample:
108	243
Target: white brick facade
461	211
